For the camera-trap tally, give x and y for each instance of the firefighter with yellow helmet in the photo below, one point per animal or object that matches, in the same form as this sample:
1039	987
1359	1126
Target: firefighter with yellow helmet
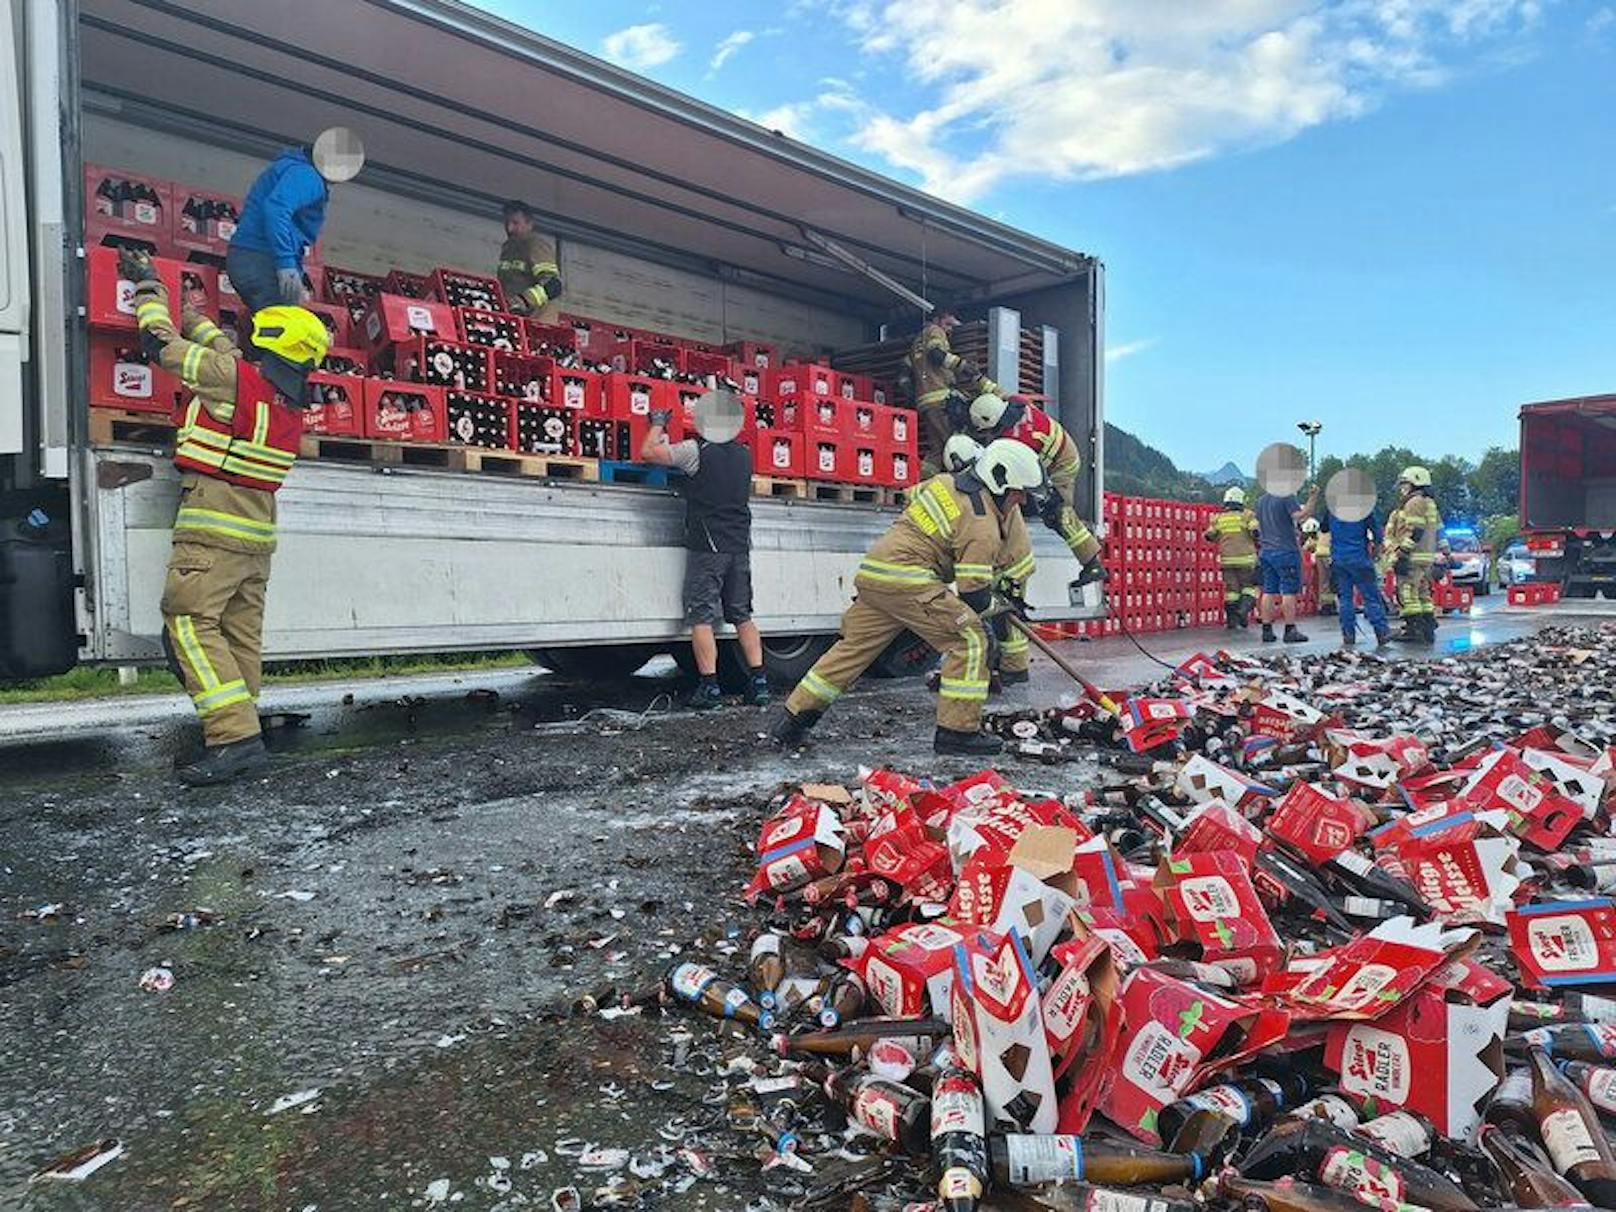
1413	541
1234	530
934	371
237	440
955	531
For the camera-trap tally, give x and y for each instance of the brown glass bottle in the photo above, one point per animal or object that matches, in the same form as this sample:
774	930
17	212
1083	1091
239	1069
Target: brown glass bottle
1083	1197
1209	1135
1021	1160
702	988
958	1134
1317	1150
1287	1196
1595	1081
1252	1103
1511	1105
766	968
891	1110
858	1036
1528	1184
1594	1043
1570	1130
1329	1105
1405	1133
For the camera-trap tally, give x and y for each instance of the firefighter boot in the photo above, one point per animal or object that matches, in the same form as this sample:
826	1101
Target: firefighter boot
790	730
1012	677
1428	628
965	744
1088	574
222	763
1268	636
1231	616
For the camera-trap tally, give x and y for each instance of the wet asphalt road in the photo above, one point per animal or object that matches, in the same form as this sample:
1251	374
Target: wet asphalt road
401	915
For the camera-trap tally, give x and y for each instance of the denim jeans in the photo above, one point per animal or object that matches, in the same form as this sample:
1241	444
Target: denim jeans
1359	576
252	276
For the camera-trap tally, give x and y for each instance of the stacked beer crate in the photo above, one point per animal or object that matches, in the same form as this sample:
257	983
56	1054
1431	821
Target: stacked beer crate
1163	573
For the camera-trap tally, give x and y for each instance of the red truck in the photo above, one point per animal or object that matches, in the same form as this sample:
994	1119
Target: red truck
1568	492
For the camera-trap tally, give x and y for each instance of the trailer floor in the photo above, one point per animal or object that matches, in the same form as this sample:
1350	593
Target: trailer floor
406	907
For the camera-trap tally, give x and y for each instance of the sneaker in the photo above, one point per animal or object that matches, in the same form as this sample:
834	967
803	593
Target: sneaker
791	730
705	697
1268	636
1293	635
966	744
1382	638
757	691
222	763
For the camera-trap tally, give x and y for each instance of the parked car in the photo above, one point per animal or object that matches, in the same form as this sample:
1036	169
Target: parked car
1517	565
1470	562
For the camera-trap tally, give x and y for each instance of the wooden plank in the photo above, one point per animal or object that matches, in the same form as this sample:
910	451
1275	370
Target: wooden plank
773	486
113	426
512	463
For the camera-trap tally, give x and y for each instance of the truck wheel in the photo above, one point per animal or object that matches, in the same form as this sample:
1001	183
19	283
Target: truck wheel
908	656
788	657
595	662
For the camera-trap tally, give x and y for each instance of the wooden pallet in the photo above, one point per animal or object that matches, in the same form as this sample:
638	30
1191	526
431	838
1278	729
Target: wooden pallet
861	494
773	486
109	426
368	450
514	463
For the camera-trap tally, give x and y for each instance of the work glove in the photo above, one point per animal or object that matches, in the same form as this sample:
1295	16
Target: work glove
958	410
289	282
661	416
1051	508
135	266
1402	566
1001	627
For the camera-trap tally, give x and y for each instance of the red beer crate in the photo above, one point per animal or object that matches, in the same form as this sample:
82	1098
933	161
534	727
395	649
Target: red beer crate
458	288
122	376
639	356
352	291
864	462
476	418
199	287
684	397
578	390
404	412
625	396
339	361
865	422
882	393
335	318
901	468
491	329
549	339
593	339
336	406
827	457
112	296
410	286
800	379
753	354
520	376
394	319
203	221
129	209
854	386
542	429
702	364
825	417
778	452
442	363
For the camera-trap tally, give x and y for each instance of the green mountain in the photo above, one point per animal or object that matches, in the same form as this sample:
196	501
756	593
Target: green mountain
1137	470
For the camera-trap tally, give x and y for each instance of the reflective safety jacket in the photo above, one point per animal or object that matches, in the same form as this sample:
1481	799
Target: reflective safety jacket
524	262
1415	529
1045	435
1318	546
946	534
1015	563
235	443
1235	533
932	383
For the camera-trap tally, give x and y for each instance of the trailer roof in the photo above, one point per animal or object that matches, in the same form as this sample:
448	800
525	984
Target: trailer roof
456	103
1578	404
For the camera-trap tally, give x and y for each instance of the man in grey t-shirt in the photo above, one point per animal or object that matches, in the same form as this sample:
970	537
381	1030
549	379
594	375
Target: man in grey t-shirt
1279	558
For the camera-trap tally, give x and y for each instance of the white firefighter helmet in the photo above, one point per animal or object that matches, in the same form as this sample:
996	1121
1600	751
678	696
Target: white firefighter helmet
1311	526
960	451
986	410
1234	495
1006	465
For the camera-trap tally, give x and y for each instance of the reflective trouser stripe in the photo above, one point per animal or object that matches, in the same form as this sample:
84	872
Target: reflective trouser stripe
215	522
975	650
191	648
969	692
1239	561
930	398
819	688
1016	642
227	695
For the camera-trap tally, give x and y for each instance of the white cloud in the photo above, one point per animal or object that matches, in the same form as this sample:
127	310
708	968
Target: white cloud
1601	20
1081	89
1115	353
799	120
727	48
641	46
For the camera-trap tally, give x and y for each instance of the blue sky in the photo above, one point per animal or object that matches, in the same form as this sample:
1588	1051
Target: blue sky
1395	216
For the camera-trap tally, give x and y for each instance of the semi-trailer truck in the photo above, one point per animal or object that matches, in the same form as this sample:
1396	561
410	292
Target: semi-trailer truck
1568	492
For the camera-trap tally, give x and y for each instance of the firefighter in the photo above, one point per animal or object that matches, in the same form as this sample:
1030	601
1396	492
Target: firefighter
991	416
527	266
1413	538
1235	532
1316	543
955	529
237	441
934	371
1013	569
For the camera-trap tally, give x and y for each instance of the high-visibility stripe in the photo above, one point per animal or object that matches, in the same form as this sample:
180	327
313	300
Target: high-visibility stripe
1016	643
150	312
260	437
185	639
895	574
975	652
545	267
227	695
1244	561
817	686
191	363
206	332
215	522
1021	568
969	692
973	572
932	397
536	295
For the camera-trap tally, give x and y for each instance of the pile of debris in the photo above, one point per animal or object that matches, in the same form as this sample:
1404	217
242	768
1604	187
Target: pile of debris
1338	948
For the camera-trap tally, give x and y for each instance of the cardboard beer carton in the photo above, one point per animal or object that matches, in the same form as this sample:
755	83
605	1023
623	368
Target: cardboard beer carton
1082	1024
1216	826
910	968
1571	776
999	1033
1202	779
1538	813
1317	825
1367	977
1284	717
1176	1035
1561	944
1147	723
1464	865
1132	940
800	843
1439	1053
1211	902
1374	764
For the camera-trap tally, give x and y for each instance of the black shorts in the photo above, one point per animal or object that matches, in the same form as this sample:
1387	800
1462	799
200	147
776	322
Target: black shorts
718	587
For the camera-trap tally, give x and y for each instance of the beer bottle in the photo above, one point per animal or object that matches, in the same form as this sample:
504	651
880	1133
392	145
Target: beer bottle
1207	1134
1193	970
857	1037
1511	1105
1588	1008
1021	1160
1287	1196
1301	885
1594	1043
1527	1015
891	1110
1405	1133
1317	1150
843	947
1371	879
766	968
1083	1197
704	989
1370	908
842	1000
1595	1081
1528	1184
1252	1103
958	1133
1329	1106
1571	1132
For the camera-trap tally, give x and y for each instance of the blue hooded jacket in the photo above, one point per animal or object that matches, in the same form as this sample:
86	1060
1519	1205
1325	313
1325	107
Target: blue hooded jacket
285	209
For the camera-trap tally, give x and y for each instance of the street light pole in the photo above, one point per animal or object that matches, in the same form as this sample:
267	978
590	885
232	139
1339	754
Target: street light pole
1311	429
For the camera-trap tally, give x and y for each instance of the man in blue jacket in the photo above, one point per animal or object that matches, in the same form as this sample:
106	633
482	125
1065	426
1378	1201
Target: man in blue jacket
282	217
